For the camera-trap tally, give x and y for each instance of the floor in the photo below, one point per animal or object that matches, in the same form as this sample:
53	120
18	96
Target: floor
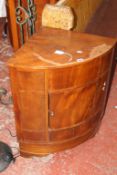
98	156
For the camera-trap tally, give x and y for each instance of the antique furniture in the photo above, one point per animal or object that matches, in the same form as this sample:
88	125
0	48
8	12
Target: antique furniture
24	16
60	81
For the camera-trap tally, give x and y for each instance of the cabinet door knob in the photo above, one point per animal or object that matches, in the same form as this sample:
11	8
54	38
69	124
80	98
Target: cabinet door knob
51	113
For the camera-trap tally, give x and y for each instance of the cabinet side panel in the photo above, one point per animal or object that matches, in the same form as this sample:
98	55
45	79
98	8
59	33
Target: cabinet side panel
30	101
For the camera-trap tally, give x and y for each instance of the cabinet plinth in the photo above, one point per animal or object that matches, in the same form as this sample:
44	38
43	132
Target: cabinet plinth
59	81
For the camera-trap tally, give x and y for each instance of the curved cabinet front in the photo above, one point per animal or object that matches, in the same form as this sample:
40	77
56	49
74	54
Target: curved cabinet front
58	107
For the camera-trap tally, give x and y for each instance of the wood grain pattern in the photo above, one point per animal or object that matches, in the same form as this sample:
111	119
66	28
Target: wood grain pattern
59	106
83	11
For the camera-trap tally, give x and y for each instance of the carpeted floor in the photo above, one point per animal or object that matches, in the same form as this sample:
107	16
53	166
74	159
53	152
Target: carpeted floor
98	156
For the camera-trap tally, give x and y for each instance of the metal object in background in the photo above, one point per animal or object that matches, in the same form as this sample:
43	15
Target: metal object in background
4	98
26	16
6	156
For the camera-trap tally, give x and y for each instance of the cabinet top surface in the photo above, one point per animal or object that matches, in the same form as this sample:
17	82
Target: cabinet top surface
59	48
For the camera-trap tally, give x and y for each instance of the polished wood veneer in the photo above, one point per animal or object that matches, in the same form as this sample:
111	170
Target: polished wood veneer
59	97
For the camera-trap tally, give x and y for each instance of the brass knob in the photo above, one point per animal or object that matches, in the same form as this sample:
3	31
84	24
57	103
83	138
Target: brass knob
104	86
51	113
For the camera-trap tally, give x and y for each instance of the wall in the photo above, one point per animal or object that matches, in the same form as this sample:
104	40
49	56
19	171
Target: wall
83	11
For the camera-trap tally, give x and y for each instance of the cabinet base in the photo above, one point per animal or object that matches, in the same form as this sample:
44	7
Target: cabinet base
31	149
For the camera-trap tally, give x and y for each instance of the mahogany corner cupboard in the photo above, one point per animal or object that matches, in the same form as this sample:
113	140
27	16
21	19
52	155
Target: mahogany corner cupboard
59	81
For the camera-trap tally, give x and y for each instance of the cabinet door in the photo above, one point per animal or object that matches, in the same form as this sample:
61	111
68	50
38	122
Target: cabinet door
71	106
